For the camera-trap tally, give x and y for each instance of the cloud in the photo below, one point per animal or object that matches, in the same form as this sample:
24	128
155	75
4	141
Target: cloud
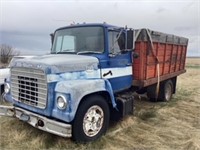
27	24
160	10
31	42
187	30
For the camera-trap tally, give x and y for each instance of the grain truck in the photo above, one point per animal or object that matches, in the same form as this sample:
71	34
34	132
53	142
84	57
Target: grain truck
89	77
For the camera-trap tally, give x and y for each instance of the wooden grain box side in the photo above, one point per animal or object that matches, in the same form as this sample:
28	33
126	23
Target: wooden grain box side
139	72
170	53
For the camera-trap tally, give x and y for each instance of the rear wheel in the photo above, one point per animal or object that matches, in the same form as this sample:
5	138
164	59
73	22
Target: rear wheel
166	91
92	119
151	93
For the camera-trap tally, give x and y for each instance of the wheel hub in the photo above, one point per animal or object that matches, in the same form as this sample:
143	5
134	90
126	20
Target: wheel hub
93	121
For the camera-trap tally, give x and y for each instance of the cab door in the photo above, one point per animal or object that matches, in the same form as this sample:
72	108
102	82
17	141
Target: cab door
118	69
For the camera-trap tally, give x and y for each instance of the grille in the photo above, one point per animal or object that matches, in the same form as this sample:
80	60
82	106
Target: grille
29	86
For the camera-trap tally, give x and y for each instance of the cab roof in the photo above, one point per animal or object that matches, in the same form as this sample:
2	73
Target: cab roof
105	25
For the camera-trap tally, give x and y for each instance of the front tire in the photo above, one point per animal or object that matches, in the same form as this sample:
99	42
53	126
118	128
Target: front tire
91	120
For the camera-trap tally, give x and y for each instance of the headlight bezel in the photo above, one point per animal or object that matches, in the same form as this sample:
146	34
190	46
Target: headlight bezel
61	99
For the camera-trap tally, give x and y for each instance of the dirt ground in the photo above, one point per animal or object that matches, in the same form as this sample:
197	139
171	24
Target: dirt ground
157	126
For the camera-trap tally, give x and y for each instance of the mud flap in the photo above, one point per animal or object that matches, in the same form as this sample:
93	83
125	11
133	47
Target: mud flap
7	111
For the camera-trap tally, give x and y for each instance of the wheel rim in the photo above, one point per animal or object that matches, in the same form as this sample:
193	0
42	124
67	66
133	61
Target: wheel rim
168	92
93	121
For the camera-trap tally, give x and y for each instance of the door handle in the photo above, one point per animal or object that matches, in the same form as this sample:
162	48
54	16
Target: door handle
107	73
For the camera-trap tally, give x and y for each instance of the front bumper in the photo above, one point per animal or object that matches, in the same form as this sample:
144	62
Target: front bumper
37	121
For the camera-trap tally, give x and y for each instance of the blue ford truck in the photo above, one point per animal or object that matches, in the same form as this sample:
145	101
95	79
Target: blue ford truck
85	81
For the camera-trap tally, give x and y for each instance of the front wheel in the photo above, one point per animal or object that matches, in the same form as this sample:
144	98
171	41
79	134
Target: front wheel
92	119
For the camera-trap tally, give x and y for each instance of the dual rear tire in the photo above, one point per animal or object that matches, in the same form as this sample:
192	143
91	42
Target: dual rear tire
165	91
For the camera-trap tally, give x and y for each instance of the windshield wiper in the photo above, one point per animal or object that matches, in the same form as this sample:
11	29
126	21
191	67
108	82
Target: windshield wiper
66	51
90	52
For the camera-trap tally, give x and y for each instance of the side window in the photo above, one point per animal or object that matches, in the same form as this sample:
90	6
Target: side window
113	43
65	43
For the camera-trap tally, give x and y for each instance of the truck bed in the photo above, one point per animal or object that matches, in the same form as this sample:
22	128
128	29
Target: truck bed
168	54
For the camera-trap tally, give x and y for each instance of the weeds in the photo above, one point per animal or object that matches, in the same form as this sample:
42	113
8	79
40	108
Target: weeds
146	115
181	94
193	66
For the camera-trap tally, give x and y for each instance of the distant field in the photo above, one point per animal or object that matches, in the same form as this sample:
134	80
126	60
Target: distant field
174	125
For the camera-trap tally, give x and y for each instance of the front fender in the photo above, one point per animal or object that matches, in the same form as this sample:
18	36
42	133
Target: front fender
77	89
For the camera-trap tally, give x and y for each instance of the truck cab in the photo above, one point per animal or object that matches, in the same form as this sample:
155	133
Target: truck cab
109	44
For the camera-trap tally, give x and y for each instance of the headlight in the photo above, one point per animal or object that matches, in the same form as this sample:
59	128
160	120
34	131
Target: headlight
61	102
6	88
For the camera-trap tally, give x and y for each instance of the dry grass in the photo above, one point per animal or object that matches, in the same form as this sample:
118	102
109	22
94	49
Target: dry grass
161	126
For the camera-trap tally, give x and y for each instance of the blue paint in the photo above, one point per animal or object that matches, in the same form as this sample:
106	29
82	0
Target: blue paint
8	98
77	89
64	114
87	74
105	26
122	60
111	92
120	83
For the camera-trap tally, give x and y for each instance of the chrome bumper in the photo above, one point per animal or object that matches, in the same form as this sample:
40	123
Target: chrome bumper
37	121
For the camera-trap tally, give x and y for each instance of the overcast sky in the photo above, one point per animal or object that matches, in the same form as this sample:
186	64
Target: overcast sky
26	25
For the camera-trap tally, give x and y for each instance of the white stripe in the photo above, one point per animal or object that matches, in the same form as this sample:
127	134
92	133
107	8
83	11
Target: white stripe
89	74
116	72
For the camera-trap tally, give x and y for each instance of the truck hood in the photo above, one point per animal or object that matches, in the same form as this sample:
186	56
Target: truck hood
58	63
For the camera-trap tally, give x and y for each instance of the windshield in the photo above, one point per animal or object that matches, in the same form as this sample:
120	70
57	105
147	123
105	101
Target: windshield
79	40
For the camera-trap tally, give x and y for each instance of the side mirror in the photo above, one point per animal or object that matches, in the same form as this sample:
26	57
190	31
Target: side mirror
129	40
52	38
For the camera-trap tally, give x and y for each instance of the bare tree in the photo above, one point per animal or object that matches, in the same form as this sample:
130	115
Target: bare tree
7	52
